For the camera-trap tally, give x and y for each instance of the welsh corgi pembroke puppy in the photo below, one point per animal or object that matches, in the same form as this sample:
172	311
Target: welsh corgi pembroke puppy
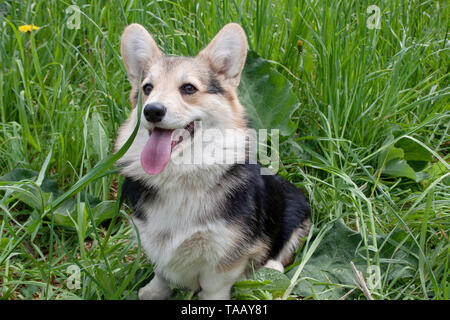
203	224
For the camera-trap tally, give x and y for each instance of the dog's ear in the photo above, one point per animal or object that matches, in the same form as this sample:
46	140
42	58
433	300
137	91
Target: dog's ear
139	50
226	53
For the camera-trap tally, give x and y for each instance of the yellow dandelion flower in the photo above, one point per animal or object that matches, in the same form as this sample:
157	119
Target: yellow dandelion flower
300	46
28	28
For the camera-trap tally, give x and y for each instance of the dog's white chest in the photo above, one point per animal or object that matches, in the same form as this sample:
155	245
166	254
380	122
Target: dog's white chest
180	237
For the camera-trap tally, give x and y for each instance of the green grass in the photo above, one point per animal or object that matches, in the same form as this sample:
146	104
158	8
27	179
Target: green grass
64	93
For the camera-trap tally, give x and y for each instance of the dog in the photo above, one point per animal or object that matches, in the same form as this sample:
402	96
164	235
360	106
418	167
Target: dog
203	225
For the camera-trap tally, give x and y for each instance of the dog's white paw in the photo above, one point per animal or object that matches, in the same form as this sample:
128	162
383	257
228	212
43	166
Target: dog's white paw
219	295
157	289
146	294
276	265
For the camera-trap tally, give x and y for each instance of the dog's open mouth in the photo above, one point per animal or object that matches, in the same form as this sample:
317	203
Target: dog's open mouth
189	128
157	150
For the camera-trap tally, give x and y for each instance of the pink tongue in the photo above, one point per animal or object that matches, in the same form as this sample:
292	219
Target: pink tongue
156	153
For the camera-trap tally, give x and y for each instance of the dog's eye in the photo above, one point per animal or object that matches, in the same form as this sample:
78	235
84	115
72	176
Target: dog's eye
147	88
188	89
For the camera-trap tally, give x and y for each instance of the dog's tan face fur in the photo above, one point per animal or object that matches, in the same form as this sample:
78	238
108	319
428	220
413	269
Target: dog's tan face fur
215	73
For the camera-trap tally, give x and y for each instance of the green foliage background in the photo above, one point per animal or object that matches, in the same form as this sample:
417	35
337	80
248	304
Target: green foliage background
364	116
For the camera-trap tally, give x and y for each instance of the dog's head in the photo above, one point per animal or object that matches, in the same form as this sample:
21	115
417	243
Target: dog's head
179	93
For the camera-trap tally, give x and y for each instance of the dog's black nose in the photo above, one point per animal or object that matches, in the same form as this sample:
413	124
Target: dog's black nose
154	112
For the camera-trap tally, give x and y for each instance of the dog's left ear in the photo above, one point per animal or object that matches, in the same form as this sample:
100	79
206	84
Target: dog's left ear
226	53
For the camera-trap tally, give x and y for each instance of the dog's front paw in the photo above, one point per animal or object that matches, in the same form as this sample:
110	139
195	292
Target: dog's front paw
219	294
146	294
157	289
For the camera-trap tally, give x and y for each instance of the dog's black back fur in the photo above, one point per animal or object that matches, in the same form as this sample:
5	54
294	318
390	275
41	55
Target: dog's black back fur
270	206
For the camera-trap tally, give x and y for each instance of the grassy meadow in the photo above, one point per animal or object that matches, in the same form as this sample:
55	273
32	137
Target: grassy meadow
370	147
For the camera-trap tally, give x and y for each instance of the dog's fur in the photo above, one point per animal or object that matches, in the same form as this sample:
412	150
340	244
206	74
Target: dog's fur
203	225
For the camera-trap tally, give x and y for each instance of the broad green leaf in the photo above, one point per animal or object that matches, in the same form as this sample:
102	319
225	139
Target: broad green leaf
399	168
394	153
20	183
98	136
267	96
390	154
329	268
413	151
250	284
19	174
65	214
328	271
106	281
416	155
404	159
104	210
62	213
270	281
278	282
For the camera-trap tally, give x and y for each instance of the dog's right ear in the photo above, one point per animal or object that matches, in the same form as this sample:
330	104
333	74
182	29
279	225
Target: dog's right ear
139	50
